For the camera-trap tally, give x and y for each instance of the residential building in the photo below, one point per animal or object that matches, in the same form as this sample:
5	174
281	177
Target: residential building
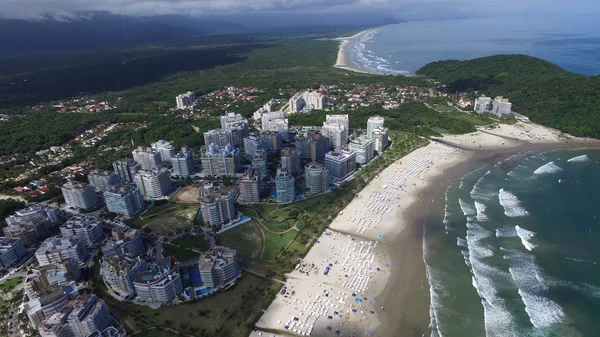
159	284
290	160
11	251
238	126
501	107
125	200
259	163
252	143
374	123
364	149
87	229
482	104
221	161
78	318
185	100
217	207
276	122
342	120
380	139
30	224
58	249
154	184
183	163
308	100
124	241
147	158
119	272
312	145
336	133
102	180
284	183
40	278
165	150
126	168
50	300
220	137
317	178
80	195
218	267
250	187
271	140
341	164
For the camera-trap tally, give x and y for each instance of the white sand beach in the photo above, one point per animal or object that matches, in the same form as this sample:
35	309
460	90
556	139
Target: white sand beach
343	57
335	289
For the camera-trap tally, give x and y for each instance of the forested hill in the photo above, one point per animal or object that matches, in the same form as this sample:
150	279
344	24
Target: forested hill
546	93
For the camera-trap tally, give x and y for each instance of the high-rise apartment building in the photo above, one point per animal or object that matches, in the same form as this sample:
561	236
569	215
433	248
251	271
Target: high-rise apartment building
217	207
183	163
275	122
374	123
80	195
259	163
221	161
341	164
125	200
271	140
284	183
126	168
186	100
312	145
119	272
317	178
11	251
30	224
58	249
342	120
102	180
164	149
159	284
238	126
124	241
336	133
220	137
364	149
249	187
482	104
154	184
252	143
218	267
290	160
86	229
308	100
380	139
147	158
501	107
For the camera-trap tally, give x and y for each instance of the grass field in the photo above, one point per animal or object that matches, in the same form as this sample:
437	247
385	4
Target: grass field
246	239
156	333
167	218
192	241
180	254
11	283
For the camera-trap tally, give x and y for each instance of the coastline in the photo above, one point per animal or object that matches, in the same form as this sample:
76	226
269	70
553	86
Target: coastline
343	56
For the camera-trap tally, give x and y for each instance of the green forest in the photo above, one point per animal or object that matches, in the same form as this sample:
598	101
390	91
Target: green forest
546	93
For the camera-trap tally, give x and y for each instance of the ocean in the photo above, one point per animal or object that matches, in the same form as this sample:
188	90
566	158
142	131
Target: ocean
513	248
572	42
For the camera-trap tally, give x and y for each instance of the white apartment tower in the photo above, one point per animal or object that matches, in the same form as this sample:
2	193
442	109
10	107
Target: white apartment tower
155	183
364	149
374	123
185	100
80	195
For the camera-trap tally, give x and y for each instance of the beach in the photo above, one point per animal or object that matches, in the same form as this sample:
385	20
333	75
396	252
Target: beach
366	274
343	57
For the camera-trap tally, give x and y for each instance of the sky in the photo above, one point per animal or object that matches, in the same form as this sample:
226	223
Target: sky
404	9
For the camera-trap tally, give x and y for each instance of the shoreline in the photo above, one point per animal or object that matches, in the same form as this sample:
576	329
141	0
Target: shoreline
390	220
343	57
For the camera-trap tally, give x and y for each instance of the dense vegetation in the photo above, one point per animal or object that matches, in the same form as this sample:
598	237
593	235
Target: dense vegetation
544	92
409	117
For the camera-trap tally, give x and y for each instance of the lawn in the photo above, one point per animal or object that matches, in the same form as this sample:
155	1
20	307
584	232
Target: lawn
180	254
166	218
245	239
192	241
10	283
224	314
277	243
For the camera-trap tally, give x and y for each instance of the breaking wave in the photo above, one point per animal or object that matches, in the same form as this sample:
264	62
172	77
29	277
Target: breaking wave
548	168
579	159
526	236
511	204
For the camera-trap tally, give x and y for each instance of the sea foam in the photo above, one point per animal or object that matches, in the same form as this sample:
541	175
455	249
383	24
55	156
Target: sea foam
511	204
480	211
579	159
526	236
548	168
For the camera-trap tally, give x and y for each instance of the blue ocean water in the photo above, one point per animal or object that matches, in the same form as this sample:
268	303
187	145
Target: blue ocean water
572	42
515	249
